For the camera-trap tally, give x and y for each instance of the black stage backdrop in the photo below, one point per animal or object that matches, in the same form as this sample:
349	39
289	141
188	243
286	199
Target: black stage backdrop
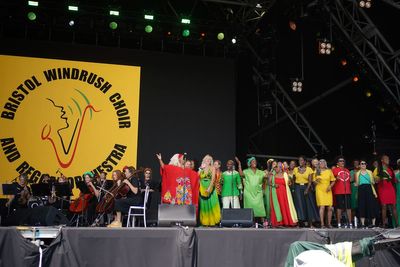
187	103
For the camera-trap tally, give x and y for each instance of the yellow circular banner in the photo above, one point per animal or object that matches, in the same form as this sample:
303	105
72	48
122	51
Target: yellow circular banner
68	117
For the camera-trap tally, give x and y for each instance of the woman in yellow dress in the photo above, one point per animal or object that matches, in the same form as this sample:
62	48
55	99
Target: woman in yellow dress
324	180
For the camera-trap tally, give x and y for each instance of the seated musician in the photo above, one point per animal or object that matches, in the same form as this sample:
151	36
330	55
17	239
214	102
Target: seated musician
133	197
148	181
22	194
91	209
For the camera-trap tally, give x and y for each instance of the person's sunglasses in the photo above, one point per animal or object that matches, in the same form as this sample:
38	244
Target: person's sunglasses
363	163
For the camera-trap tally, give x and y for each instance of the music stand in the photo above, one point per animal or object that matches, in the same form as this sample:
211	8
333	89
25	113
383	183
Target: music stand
41	189
82	186
10	190
63	190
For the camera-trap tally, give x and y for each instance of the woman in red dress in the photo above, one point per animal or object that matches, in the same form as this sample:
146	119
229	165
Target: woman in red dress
283	212
384	176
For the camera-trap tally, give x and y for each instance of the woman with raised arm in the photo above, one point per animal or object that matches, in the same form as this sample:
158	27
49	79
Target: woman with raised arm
179	185
210	213
253	180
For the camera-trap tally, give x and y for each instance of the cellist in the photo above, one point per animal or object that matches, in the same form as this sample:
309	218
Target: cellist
91	209
133	197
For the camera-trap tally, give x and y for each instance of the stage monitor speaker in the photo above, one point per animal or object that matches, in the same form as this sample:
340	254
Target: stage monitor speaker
237	217
47	216
170	215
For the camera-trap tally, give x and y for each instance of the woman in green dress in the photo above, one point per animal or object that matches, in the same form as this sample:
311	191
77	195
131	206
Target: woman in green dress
210	212
253	181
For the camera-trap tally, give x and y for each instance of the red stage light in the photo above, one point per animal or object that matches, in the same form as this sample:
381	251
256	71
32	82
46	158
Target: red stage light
343	62
355	78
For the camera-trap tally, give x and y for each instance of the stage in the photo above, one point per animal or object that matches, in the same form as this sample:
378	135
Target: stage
201	247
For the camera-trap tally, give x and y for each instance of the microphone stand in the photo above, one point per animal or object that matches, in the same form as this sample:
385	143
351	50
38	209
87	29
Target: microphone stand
232	196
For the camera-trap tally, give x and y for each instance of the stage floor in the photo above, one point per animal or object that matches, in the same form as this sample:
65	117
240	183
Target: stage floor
174	247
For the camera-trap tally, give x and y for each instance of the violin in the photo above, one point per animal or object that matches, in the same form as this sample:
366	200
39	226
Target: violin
106	205
24	197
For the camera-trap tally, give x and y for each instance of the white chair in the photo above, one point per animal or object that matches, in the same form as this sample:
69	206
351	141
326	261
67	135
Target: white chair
141	209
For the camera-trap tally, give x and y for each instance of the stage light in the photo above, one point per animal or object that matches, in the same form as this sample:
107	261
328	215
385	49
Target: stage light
73	8
169	33
148	28
203	34
343	62
368	93
31	16
355	78
113	25
33	3
381	109
233	40
185	33
71	23
114	13
365	3
324	47
148	17
185	21
220	36
297	85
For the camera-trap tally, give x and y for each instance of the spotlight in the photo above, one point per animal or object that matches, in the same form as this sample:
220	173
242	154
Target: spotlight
203	34
148	28
368	93
185	33
365	3
31	16
297	85
73	8
71	23
343	62
33	3
113	25
355	78
233	40
114	12
185	21
325	47
220	36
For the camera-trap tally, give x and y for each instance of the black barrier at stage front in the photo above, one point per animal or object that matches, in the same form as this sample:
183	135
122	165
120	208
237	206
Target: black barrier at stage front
198	247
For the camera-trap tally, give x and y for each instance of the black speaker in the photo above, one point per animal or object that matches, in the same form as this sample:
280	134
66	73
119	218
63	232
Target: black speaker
47	216
169	215
237	217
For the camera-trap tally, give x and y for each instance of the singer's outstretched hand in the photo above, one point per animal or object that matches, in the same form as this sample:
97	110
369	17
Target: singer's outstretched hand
237	160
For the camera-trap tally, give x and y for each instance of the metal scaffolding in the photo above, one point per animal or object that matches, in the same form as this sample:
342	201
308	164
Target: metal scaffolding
290	109
368	42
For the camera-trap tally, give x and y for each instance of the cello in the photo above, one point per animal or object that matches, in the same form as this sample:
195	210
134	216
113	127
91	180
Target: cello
118	190
80	204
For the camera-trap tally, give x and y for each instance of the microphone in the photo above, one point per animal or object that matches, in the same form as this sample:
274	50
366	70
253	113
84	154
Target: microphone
233	167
